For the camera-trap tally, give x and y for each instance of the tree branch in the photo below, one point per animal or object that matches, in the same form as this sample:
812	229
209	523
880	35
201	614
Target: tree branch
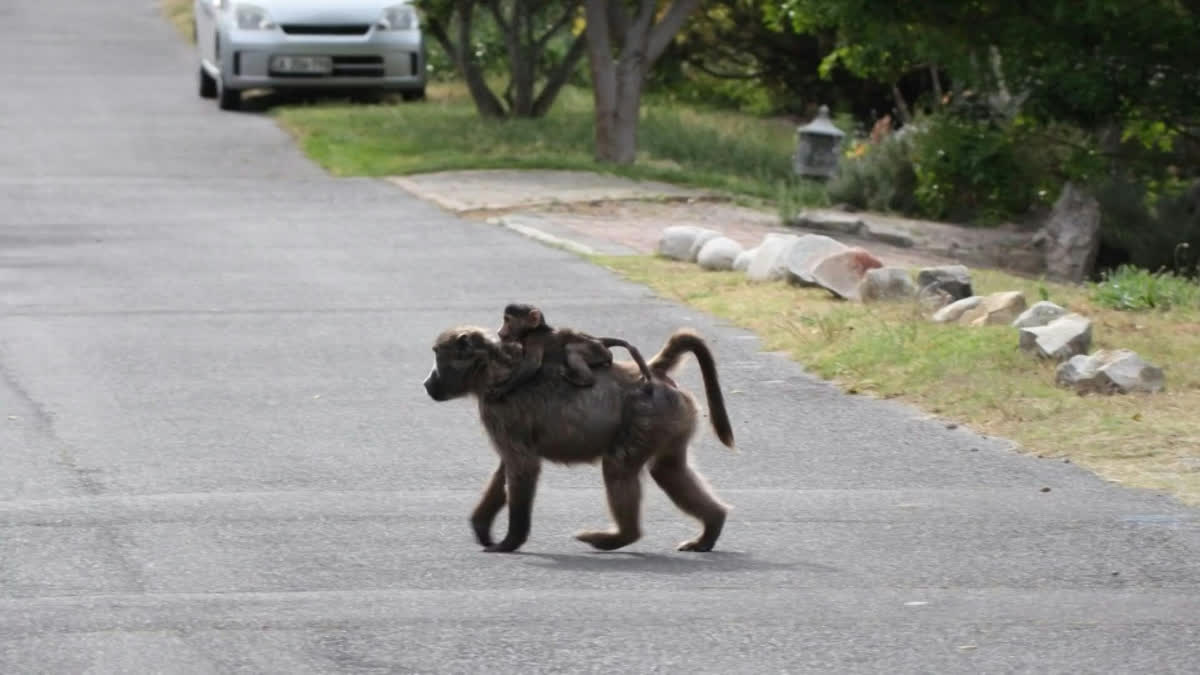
568	14
618	21
637	35
662	34
494	7
559	76
485	101
438	31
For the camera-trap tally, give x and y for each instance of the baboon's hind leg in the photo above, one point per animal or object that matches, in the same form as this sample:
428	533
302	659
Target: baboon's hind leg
688	491
623	486
578	372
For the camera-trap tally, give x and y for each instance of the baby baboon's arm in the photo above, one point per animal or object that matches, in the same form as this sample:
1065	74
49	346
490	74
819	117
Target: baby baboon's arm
531	362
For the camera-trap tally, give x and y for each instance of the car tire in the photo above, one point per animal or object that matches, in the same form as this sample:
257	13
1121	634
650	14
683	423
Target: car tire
208	85
414	94
228	99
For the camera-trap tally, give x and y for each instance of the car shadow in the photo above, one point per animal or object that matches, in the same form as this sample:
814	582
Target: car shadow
262	101
666	564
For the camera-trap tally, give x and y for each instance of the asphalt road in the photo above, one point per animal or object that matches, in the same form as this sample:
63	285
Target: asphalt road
217	455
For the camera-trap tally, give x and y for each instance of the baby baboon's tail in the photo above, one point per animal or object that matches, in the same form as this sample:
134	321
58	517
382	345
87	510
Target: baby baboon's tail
681	342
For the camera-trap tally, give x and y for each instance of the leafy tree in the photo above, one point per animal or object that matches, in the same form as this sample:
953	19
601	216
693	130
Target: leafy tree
528	29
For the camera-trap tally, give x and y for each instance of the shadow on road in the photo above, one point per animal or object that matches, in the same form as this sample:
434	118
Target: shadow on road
658	563
262	101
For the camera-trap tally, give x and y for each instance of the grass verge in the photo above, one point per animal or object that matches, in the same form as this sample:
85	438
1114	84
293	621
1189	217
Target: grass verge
976	376
682	145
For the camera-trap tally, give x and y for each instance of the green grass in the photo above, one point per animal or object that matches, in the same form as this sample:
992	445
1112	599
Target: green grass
1135	289
977	376
712	150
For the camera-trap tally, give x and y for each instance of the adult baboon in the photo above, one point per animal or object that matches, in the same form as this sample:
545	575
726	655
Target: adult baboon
614	421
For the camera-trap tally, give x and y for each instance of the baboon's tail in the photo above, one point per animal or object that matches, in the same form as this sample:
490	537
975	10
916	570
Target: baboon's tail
681	342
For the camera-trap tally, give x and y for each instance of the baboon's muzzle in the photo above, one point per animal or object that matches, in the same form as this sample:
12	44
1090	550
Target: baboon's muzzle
433	386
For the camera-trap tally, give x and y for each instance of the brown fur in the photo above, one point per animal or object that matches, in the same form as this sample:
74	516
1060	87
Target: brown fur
540	343
614	421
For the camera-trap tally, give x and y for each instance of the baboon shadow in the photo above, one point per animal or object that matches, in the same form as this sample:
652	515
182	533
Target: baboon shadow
672	565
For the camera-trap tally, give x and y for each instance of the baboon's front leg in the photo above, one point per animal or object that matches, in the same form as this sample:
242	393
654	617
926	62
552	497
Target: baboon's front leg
520	479
624	488
490	503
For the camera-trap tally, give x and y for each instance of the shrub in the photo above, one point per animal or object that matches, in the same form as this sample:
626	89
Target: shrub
878	176
1136	289
975	171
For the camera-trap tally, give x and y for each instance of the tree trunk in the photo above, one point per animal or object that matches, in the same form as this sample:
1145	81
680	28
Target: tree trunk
485	101
617	85
901	105
604	75
623	142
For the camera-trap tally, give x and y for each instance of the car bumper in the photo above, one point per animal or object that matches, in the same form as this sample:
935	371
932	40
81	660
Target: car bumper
378	60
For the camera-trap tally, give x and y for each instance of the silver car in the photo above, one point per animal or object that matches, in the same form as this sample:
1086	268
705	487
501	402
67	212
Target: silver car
275	44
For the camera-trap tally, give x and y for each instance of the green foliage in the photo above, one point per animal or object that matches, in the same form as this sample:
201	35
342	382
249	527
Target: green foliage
1130	288
975	171
881	178
946	167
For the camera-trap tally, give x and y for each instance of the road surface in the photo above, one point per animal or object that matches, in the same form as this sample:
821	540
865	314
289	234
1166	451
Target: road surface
217	455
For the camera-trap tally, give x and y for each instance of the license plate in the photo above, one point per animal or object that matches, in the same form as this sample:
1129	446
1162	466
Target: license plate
308	65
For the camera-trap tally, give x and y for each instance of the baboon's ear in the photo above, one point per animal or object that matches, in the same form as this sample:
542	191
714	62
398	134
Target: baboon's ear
535	316
463	342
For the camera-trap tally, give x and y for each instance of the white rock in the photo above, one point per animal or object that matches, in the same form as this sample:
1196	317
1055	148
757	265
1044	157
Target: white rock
1060	339
804	255
1040	314
1110	371
719	254
997	308
769	260
702	237
841	273
742	262
676	241
955	310
886	283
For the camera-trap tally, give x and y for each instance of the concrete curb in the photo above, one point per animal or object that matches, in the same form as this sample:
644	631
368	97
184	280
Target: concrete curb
542	236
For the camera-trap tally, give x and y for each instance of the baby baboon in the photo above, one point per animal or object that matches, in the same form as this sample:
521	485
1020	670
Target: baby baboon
526	325
613	421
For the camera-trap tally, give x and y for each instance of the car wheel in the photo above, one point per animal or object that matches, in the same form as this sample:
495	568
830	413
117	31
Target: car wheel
208	85
414	94
228	99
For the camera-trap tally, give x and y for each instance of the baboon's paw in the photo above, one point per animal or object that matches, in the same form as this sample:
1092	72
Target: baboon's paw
502	547
605	541
696	545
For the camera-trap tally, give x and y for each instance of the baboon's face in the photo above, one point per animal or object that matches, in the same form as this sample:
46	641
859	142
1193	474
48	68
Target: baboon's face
519	321
460	358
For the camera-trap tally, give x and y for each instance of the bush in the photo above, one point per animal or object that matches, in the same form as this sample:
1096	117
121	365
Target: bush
976	171
878	176
1135	289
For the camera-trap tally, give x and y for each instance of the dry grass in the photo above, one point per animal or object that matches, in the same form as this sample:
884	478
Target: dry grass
977	376
179	13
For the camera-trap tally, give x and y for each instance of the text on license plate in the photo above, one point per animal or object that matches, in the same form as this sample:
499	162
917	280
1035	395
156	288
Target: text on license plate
302	64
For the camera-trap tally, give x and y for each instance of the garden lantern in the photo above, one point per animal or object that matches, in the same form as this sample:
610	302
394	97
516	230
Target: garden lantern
817	145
